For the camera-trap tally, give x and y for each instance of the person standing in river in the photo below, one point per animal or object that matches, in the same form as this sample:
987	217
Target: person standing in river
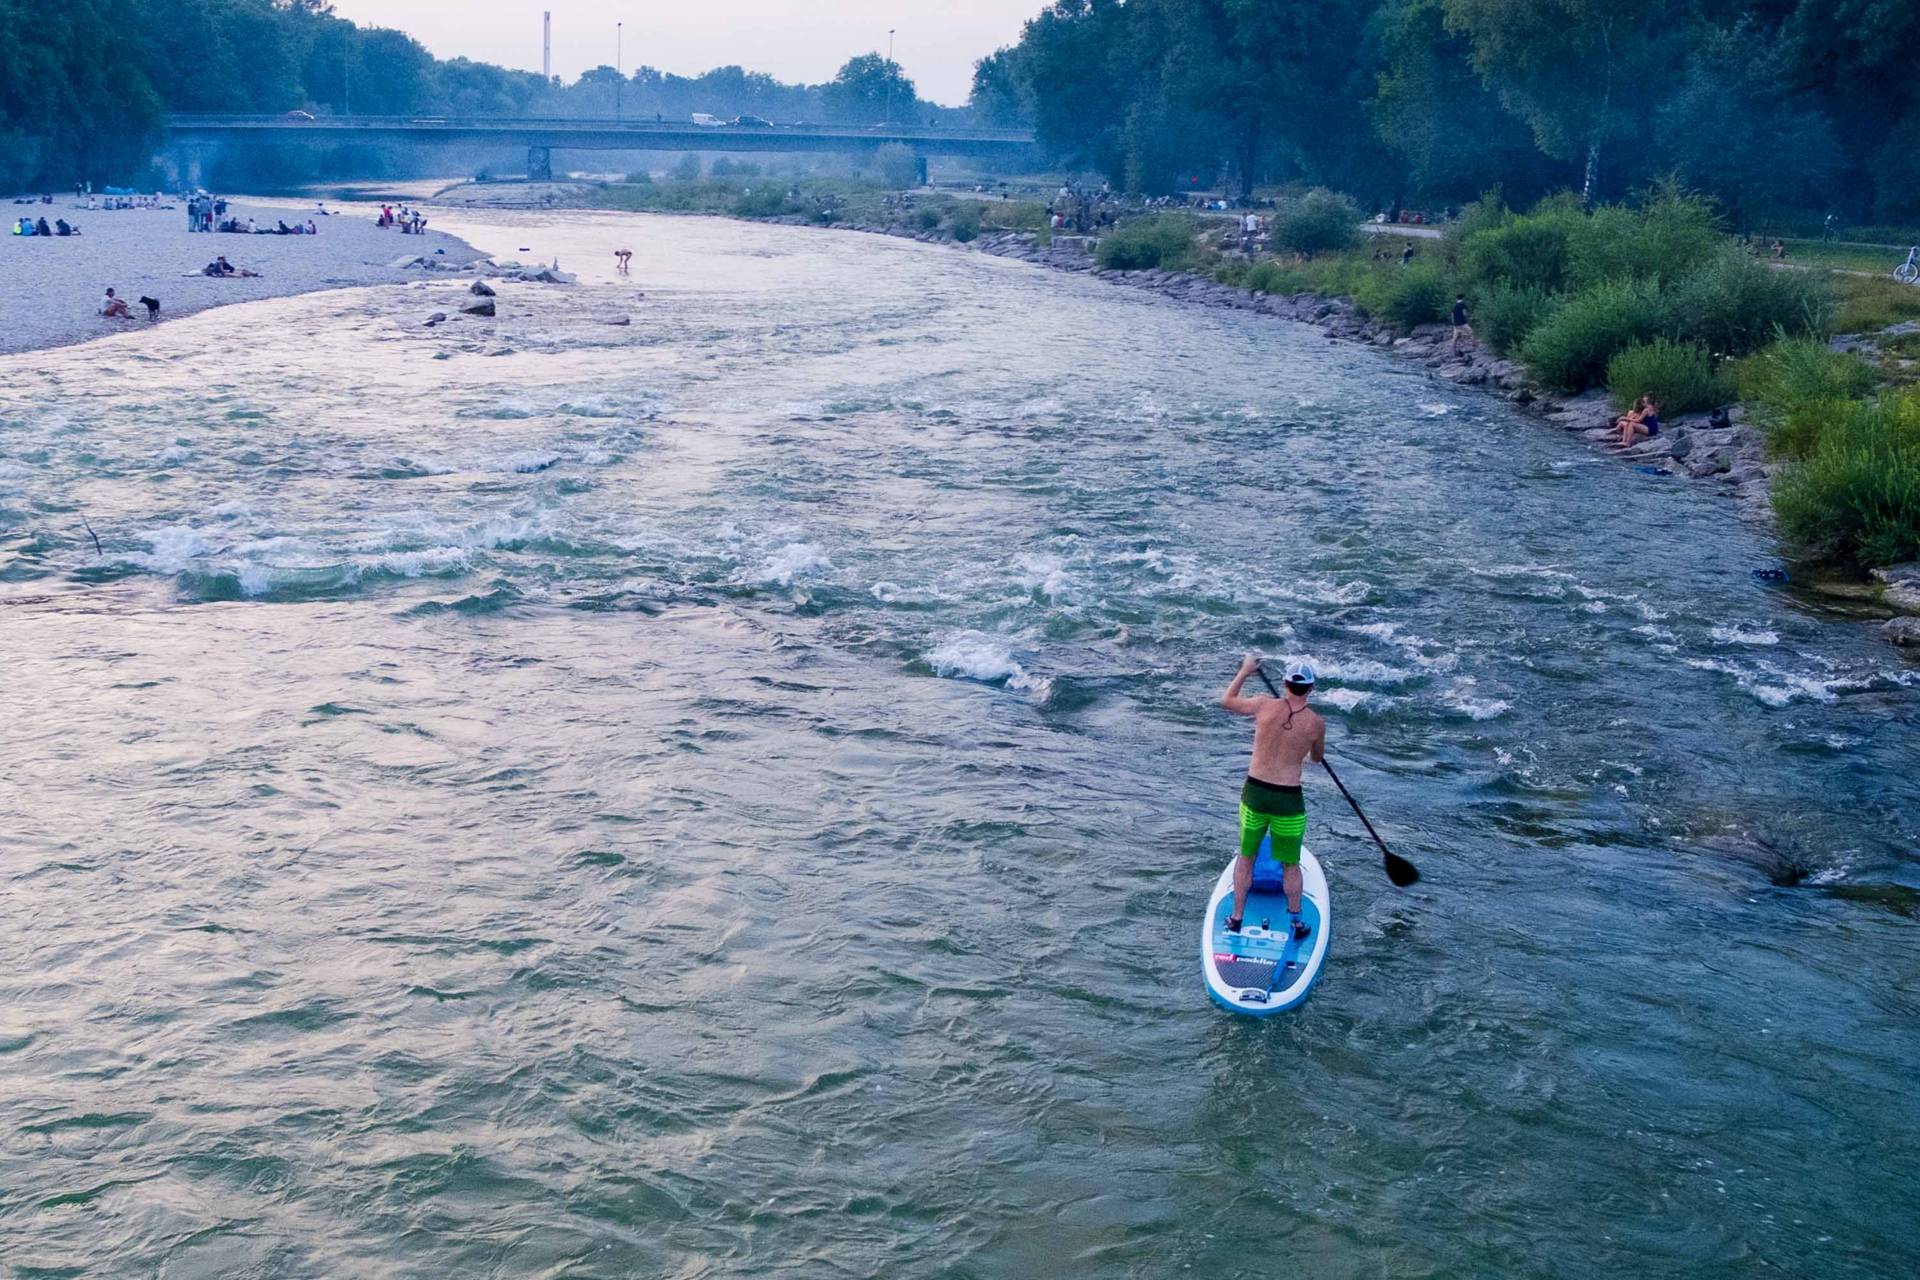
1286	734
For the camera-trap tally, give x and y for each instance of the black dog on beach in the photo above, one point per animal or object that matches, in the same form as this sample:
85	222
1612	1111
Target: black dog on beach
153	308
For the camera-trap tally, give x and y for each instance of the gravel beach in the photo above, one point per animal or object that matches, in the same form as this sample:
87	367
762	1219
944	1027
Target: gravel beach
50	288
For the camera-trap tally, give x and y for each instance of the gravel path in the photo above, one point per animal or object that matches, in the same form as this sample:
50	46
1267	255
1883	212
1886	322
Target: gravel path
50	288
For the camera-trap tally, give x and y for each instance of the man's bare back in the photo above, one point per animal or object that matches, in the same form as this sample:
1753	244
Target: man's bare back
1286	733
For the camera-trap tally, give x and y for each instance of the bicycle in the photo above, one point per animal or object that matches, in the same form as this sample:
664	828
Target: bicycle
1908	272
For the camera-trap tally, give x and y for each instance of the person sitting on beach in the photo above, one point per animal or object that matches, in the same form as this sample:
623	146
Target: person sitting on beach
1644	422
218	267
115	307
61	227
311	229
41	228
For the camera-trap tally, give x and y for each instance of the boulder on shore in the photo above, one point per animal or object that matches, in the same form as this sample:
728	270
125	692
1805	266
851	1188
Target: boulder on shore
438	317
1904	632
481	307
481	289
1900	585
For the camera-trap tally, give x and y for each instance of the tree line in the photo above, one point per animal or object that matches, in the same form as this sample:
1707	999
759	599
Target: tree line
85	84
1773	106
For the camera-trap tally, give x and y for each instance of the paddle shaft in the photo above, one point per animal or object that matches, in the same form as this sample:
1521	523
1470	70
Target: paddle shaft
1399	870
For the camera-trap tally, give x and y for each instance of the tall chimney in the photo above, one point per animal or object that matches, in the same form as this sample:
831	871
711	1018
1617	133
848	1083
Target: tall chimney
546	45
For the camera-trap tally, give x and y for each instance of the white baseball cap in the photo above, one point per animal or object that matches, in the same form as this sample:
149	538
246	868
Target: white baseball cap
1301	672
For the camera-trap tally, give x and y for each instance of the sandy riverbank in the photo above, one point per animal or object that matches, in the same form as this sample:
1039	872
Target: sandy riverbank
50	288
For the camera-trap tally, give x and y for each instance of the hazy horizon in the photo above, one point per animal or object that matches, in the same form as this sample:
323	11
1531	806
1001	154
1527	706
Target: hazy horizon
937	43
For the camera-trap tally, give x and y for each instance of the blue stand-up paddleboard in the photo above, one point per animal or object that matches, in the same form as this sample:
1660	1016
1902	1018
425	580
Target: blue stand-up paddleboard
1261	970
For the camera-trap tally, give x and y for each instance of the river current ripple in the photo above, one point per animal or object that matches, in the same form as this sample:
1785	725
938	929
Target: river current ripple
731	795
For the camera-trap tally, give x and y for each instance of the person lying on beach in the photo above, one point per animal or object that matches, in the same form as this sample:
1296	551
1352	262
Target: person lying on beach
1642	423
222	268
115	307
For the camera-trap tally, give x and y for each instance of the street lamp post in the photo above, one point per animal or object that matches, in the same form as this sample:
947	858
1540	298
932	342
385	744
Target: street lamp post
619	69
889	75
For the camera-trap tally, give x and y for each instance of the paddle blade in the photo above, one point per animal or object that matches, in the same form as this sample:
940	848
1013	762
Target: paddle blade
1400	871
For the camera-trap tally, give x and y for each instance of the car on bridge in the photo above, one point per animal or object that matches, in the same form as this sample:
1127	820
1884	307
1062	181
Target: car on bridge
706	121
303	117
752	122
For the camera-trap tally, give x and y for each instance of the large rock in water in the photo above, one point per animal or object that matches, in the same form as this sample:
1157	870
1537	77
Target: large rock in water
481	289
1902	631
479	307
1902	585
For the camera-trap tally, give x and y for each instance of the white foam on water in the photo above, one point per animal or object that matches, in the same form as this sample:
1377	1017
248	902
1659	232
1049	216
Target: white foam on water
1344	699
1737	634
1459	697
1044	574
975	655
1435	410
887	592
794	560
173	548
172	454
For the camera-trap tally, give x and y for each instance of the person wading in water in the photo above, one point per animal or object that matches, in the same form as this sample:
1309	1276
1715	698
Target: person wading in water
1285	736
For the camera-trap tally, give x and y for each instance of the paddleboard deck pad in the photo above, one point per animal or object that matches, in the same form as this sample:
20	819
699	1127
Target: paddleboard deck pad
1262	970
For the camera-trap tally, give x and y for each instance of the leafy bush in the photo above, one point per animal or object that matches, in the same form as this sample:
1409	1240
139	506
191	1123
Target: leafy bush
725	168
1418	293
966	222
1525	252
1488	213
1665	241
1320	221
1735	304
763	202
926	219
1681	376
688	168
1857	498
1503	315
898	167
1570	348
1793	388
1164	241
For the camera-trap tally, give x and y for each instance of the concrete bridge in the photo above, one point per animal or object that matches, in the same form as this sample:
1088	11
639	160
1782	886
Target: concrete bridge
191	135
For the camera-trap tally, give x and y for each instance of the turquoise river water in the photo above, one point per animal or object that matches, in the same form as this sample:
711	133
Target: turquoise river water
732	794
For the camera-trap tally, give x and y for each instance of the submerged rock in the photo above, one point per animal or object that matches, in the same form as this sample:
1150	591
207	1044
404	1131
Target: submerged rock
438	317
482	307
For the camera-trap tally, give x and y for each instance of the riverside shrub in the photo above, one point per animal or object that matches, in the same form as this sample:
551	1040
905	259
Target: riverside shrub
1164	241
1796	387
1321	221
1504	315
1529	251
1735	304
1416	294
1856	499
1680	375
1571	346
1665	241
965	222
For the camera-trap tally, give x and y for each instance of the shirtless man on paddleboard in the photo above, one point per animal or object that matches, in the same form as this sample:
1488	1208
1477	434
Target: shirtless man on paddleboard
1285	736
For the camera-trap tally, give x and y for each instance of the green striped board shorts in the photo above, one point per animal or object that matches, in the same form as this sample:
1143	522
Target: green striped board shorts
1269	811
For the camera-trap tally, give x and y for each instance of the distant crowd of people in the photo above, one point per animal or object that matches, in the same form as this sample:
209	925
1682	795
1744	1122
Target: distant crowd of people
410	221
40	227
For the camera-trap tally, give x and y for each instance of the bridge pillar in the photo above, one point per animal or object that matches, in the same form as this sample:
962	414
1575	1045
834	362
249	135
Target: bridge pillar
539	164
920	169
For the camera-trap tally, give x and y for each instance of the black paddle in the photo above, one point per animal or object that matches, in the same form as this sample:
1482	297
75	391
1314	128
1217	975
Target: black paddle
1399	870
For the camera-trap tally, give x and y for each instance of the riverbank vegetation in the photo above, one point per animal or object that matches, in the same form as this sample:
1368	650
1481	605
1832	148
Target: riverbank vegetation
1784	111
742	190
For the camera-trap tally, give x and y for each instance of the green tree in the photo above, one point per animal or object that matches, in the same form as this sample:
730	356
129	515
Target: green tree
870	89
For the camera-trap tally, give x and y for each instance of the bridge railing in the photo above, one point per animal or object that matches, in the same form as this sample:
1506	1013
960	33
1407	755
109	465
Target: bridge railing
427	123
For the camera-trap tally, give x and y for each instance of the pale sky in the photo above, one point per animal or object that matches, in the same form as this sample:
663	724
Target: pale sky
795	40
